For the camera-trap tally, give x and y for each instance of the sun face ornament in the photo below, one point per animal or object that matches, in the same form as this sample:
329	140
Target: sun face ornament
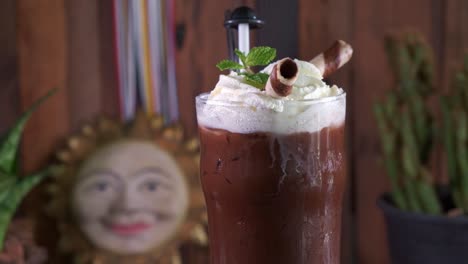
129	194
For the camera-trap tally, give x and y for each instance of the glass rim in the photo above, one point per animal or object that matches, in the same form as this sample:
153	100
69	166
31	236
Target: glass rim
203	98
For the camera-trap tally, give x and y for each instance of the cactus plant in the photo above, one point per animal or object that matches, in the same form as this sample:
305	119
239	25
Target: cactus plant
406	126
13	188
454	110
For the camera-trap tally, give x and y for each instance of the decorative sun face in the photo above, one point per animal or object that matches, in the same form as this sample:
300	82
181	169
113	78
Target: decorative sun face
129	193
130	197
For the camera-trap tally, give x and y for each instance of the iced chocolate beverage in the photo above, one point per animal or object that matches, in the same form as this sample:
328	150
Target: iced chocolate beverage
273	167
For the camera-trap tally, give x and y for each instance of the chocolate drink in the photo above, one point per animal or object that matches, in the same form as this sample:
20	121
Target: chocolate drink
272	167
273	198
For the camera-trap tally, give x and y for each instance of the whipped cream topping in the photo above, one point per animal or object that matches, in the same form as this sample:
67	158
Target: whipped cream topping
239	107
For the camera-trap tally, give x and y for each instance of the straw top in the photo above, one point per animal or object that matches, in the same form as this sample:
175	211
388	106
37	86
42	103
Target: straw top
243	15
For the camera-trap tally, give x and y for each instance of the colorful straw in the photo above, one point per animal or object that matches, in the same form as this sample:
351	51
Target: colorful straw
145	57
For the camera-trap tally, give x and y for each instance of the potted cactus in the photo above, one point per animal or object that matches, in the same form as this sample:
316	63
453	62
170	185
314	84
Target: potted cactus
425	223
16	241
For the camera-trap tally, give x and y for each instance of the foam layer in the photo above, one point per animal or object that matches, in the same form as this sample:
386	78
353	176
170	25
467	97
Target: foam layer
238	107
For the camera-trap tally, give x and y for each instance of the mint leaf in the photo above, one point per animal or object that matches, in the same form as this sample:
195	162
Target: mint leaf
258	80
229	65
242	57
259	56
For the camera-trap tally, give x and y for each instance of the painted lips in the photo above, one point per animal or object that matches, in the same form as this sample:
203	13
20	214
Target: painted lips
129	229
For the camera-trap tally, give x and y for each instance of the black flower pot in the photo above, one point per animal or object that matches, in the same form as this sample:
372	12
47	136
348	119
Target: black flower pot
424	239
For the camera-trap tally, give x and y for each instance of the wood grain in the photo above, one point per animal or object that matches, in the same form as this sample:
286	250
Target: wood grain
91	75
455	38
9	97
83	61
370	178
42	66
108	84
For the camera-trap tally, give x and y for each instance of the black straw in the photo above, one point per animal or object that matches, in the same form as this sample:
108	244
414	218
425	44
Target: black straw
240	15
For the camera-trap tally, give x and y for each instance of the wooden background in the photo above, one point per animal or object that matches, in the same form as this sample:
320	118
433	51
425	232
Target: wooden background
68	44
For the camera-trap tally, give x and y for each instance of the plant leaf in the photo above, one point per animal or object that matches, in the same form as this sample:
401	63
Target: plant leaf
242	57
12	196
229	65
260	56
256	79
5	217
9	147
5	185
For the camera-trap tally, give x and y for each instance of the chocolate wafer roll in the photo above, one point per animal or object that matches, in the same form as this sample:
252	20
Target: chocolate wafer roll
282	78
333	58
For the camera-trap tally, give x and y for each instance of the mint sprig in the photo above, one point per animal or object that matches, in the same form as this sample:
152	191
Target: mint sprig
258	56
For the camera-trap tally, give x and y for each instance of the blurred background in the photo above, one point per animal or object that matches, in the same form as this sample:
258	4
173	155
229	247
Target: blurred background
71	45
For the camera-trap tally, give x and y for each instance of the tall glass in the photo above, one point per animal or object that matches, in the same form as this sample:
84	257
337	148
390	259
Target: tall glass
273	181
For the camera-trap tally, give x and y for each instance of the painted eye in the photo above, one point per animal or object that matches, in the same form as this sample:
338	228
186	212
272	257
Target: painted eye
151	186
102	186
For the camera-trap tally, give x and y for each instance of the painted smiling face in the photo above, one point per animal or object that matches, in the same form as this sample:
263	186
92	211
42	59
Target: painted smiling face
130	197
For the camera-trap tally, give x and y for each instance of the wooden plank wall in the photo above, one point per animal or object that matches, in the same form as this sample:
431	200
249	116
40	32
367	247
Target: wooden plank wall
42	51
65	45
68	44
9	106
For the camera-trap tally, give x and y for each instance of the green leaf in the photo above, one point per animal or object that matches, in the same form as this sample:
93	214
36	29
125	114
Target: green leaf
258	80
242	57
229	65
411	195
449	135
5	218
257	56
5	186
399	198
12	197
428	196
9	147
260	56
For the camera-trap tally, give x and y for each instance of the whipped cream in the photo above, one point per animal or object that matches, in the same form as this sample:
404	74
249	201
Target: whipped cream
239	107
